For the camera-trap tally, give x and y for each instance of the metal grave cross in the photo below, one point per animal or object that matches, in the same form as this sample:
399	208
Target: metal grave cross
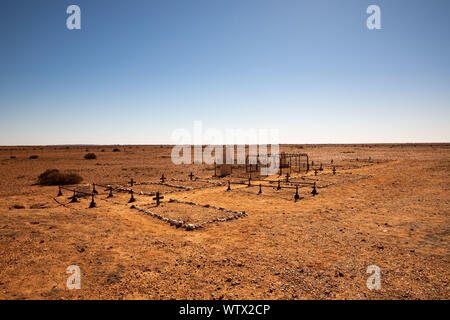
296	195
92	204
157	198
314	190
132	199
110	195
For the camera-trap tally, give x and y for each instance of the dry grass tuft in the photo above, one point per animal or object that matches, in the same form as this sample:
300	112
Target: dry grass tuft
52	177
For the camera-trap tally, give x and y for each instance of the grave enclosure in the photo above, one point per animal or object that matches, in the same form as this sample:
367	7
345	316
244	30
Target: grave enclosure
298	179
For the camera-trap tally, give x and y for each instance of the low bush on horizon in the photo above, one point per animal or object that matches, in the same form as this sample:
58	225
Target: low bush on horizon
34	156
116	150
90	156
52	177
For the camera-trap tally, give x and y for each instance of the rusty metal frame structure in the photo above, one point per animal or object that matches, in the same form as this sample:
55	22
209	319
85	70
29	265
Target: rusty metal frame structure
291	161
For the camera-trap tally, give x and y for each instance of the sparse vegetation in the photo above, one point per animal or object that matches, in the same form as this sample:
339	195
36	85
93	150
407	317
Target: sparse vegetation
90	156
12	157
34	156
52	177
116	150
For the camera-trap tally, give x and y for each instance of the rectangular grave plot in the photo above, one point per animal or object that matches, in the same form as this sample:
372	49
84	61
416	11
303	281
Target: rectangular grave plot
153	188
326	179
272	192
190	214
196	184
353	164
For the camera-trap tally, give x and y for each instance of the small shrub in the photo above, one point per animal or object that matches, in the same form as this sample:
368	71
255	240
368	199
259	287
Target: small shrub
52	177
18	206
116	150
12	157
90	156
34	156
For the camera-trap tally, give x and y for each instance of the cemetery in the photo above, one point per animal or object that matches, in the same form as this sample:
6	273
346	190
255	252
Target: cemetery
139	226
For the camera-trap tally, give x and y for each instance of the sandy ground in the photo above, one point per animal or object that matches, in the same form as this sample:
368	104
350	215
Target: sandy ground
396	216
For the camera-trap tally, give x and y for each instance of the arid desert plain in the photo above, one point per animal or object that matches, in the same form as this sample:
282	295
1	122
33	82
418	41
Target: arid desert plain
386	205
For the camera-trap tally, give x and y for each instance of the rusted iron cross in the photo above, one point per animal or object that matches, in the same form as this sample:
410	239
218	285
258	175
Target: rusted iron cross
132	182
132	199
92	204
110	195
163	178
157	198
191	175
74	198
314	190
296	195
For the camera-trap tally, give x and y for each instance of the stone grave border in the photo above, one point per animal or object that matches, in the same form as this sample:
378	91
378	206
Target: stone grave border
190	226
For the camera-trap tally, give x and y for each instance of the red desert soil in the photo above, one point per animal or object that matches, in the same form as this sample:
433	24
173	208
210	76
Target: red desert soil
391	211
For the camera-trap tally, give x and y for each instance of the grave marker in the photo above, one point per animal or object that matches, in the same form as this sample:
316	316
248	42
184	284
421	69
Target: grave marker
110	195
314	190
74	198
132	199
157	198
296	196
92	204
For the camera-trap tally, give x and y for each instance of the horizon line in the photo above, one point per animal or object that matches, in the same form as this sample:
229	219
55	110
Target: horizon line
246	144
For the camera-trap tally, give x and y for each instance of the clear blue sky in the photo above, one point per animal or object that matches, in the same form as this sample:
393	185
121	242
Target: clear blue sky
137	70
